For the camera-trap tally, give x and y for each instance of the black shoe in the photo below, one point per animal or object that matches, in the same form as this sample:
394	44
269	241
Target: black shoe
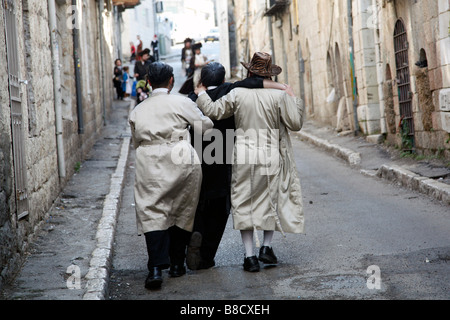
251	264
193	257
154	279
206	264
177	270
267	256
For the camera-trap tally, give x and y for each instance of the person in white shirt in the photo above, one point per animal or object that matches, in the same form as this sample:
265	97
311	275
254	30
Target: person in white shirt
200	61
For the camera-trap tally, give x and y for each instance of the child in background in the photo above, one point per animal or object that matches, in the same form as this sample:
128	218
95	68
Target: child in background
142	91
126	84
200	61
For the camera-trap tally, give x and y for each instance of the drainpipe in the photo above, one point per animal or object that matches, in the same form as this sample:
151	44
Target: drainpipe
379	62
101	8
272	47
77	65
301	68
57	89
352	64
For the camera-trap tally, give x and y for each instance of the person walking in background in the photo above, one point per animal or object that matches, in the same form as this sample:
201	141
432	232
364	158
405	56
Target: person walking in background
199	61
117	80
186	55
133	52
126	83
141	67
168	173
139	46
266	192
155	47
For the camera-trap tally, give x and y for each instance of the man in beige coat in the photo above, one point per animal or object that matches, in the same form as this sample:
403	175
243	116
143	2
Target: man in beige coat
266	193
168	172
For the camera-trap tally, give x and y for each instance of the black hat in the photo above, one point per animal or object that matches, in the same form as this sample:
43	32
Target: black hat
196	46
213	74
145	51
261	65
159	73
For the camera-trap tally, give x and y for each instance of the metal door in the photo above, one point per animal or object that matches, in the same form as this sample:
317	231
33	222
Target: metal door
17	124
404	86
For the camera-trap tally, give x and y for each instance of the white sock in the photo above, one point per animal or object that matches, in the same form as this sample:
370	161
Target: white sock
247	239
268	235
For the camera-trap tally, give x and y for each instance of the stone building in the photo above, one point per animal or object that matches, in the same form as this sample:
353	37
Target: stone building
375	67
56	64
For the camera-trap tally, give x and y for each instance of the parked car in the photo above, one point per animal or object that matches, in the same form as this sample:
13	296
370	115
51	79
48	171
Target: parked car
212	35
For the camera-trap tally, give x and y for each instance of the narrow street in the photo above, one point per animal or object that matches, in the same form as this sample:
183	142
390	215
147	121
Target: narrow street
373	156
354	224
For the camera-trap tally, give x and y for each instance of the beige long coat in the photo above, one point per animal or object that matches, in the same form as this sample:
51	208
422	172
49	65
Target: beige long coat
266	192
168	170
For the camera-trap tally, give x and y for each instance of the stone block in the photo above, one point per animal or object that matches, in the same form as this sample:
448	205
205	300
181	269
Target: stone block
445	73
444	20
443	5
445	121
443	50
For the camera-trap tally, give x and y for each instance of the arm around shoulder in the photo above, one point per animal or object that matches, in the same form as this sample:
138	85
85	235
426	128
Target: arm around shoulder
199	122
292	112
220	109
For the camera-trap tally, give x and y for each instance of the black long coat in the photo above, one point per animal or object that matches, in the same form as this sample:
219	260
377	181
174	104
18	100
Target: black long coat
217	177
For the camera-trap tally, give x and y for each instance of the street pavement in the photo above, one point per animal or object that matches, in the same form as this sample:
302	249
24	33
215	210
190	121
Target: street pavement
369	213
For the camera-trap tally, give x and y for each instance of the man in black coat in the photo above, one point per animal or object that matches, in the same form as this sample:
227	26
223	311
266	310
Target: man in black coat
215	201
141	67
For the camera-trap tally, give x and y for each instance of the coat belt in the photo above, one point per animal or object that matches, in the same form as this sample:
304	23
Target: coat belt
157	142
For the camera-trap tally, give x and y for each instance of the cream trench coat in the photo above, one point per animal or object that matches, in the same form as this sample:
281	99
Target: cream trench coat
266	192
168	170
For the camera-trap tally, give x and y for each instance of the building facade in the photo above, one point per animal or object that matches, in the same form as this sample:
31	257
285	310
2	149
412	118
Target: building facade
375	67
54	58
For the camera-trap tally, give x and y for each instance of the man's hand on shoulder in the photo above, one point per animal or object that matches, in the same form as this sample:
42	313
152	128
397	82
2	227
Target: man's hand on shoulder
289	91
270	84
199	89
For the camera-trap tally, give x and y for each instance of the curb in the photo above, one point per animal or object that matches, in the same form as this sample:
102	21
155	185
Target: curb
413	181
100	263
353	158
435	189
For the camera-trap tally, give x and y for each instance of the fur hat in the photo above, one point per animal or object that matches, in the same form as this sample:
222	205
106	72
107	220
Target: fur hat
261	65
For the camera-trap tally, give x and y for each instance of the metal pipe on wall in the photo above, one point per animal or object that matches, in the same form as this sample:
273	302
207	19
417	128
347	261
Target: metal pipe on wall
352	64
77	67
272	47
379	62
57	88
101	8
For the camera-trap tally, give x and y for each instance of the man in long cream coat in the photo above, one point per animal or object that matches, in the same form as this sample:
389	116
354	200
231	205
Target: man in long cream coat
168	172
266	193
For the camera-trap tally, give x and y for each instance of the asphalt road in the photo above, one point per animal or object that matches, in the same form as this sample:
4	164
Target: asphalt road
357	229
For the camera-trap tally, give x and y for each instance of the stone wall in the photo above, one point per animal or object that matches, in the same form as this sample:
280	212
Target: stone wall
311	43
44	182
7	204
305	34
426	30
